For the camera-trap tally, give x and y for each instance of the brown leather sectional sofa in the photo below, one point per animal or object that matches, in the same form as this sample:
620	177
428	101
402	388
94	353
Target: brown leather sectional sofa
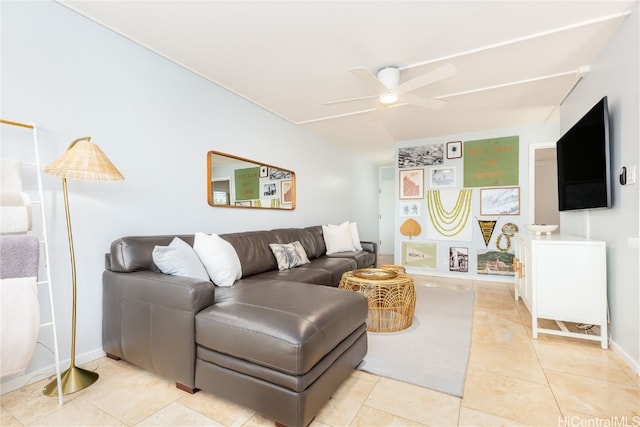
275	341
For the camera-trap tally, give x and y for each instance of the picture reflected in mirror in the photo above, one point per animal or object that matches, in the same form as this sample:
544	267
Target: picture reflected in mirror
237	182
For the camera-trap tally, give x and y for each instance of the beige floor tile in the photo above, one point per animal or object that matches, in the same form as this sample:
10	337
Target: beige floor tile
342	408
522	401
425	280
258	421
635	378
414	403
473	418
136	398
372	417
571	418
450	283
594	397
501	332
520	363
580	358
29	404
221	410
365	376
177	415
78	413
8	420
587	386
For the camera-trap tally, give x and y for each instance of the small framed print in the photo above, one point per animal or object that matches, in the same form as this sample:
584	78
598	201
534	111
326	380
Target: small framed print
500	201
459	259
454	150
411	184
442	177
410	209
264	171
286	191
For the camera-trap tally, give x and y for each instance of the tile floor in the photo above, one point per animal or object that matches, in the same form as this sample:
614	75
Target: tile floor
512	380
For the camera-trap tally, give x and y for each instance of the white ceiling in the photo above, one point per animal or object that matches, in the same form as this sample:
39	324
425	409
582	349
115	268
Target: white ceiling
516	60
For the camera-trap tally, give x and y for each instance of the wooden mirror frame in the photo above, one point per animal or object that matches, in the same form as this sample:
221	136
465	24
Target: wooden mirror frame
274	186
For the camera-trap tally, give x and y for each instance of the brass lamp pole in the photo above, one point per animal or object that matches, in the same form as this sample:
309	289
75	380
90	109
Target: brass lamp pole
85	161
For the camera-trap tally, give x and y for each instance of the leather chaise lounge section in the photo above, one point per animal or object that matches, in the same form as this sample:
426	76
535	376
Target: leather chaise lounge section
275	341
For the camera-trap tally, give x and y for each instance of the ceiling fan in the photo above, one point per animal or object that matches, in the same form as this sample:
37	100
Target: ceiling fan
389	89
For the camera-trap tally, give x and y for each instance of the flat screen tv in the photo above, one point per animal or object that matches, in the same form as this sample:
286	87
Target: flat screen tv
584	178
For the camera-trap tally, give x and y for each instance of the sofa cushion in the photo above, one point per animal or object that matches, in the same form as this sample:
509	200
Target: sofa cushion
337	238
134	253
179	259
304	236
253	250
316	233
363	259
280	325
219	258
355	236
289	255
336	266
305	273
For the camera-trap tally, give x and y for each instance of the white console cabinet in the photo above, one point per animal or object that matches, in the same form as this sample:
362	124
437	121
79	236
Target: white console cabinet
563	278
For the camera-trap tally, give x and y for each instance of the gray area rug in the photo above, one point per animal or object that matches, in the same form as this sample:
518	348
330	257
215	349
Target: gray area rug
434	351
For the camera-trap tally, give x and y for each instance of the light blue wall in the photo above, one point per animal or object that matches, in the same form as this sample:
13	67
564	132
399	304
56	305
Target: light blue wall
156	121
615	74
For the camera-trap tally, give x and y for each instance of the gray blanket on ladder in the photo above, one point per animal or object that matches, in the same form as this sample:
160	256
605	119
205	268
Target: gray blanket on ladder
19	256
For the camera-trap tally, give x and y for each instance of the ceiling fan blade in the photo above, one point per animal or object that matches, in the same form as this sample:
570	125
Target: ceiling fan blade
369	79
342	101
420	101
426	79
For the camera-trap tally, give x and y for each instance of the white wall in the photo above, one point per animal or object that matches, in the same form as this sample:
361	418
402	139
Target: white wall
156	121
615	74
527	135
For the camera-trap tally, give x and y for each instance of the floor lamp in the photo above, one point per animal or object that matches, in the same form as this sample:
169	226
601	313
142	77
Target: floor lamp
83	161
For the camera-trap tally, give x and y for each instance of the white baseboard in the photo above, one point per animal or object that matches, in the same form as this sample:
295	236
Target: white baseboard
17	382
627	359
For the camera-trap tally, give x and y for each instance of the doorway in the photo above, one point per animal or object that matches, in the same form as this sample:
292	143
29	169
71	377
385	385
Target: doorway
543	184
386	208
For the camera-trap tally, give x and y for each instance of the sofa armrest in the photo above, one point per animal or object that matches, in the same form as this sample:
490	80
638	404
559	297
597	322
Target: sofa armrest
148	319
370	247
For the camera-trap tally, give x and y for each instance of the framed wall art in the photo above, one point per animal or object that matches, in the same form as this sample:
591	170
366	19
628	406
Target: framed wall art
442	177
410	209
286	191
411	184
454	150
500	201
459	259
420	254
424	155
491	162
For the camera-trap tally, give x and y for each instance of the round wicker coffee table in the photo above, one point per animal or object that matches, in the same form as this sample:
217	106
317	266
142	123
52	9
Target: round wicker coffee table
393	267
391	295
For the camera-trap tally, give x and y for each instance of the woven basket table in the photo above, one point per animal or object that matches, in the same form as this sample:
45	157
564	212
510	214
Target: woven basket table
393	267
392	301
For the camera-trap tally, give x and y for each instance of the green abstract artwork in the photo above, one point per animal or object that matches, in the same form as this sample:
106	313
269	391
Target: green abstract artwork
247	183
491	162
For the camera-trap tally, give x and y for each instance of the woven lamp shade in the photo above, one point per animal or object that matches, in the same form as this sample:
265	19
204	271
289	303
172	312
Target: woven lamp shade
84	161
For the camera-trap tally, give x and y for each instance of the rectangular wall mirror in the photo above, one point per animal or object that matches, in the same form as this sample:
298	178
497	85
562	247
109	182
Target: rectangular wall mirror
236	182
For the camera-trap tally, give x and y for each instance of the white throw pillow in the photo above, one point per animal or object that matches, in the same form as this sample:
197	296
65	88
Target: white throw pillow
179	259
338	238
289	255
355	237
219	258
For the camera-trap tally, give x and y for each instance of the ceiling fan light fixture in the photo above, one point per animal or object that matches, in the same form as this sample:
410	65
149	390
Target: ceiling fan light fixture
388	98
